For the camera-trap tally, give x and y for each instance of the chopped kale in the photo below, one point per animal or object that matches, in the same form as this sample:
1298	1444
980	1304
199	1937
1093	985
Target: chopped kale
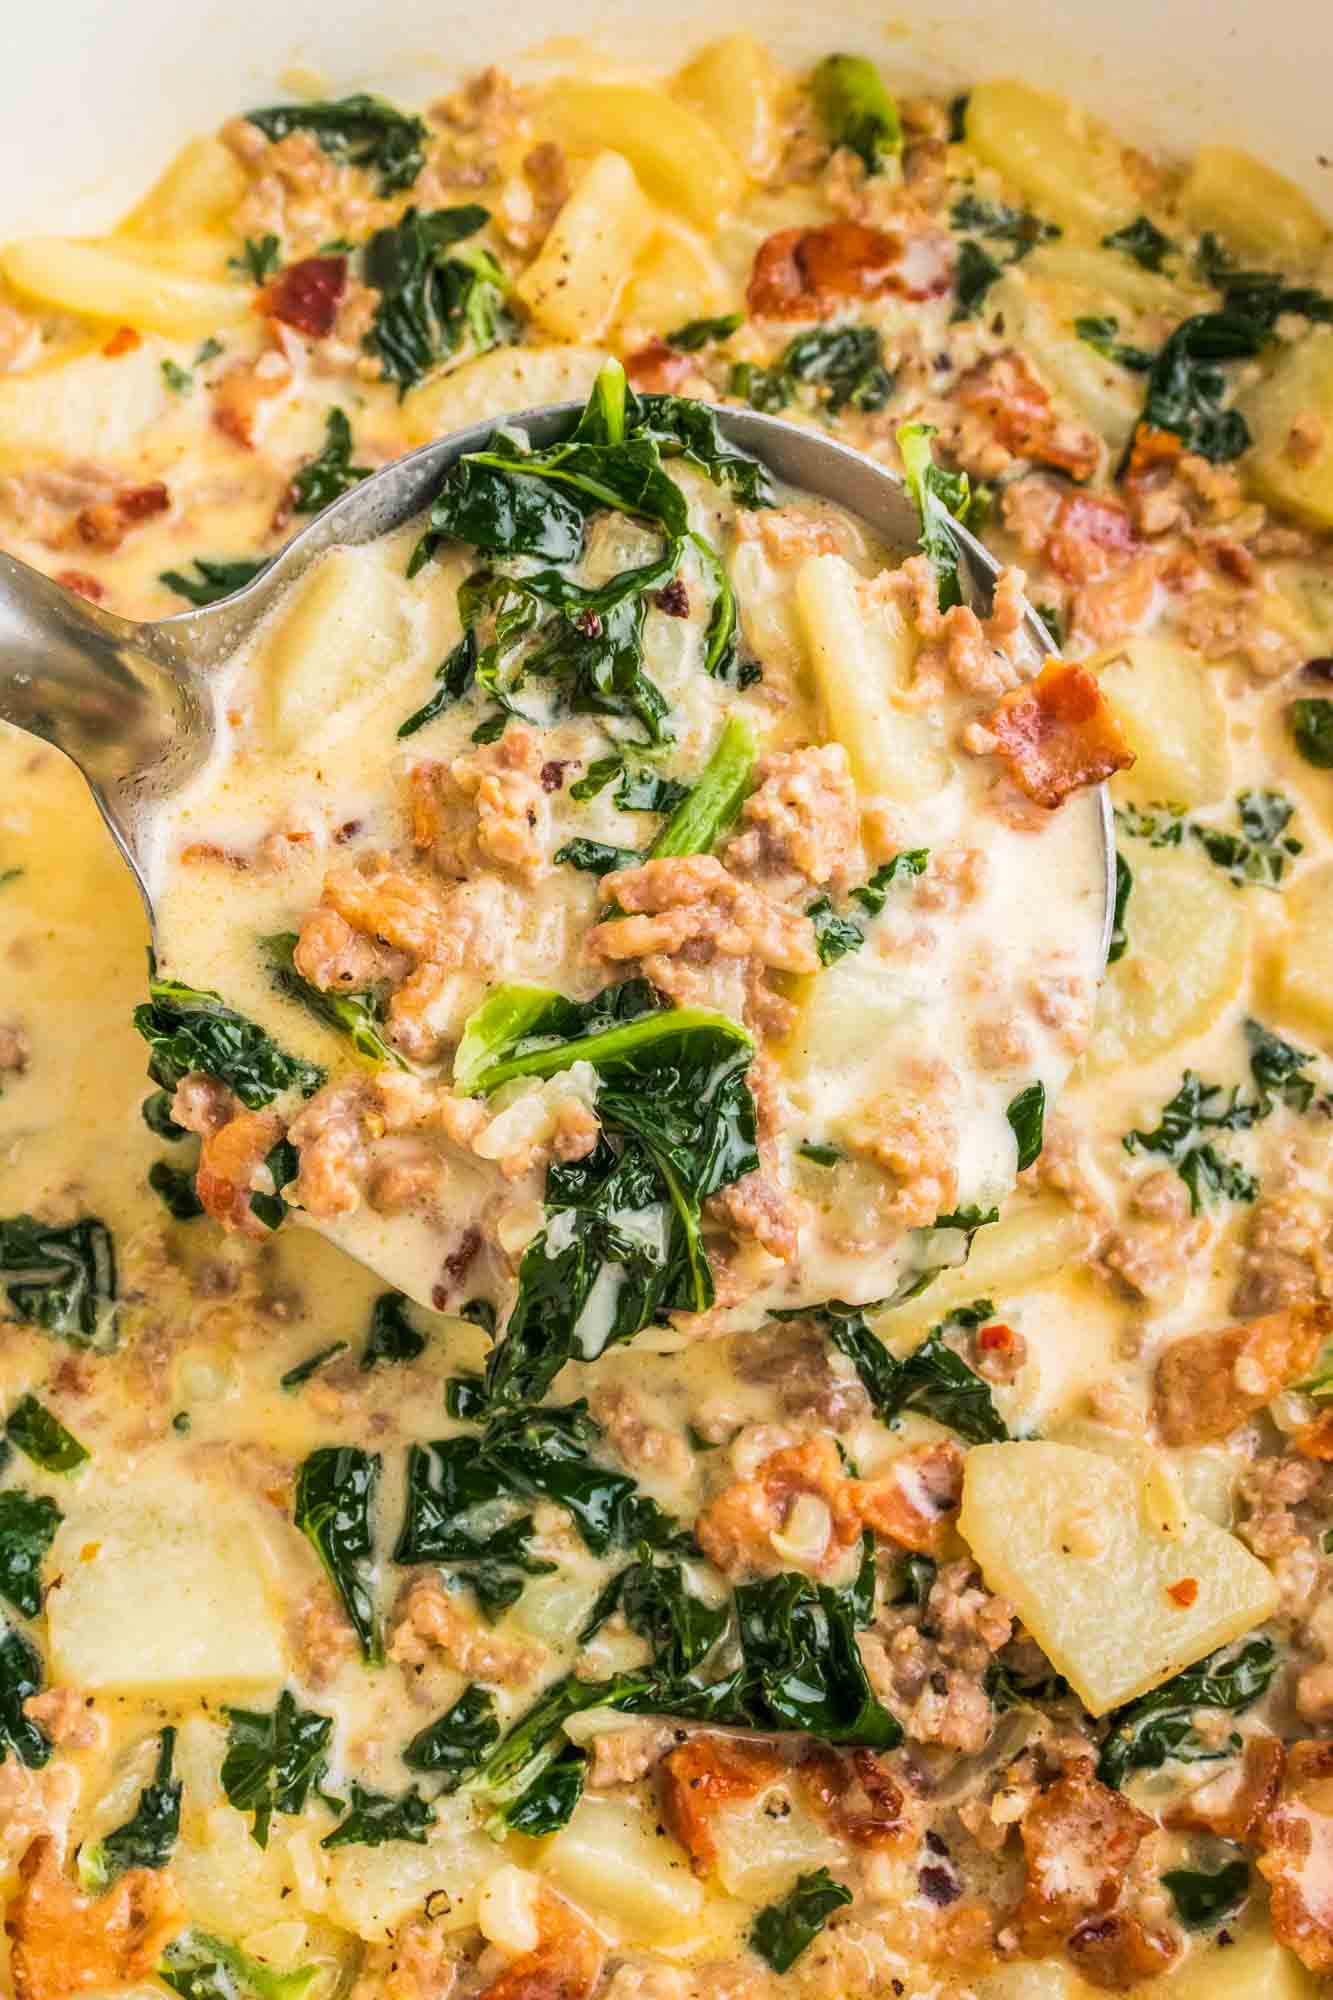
710	807
638	789
359	1016
430	302
274	1759
819	1154
189	1029
1310	722
932	1379
856	110
655	1600
1203	1900
258	260
212	580
1260	296
455	1744
1101	331
1160	1725
1009	1689
361	130
283	1164
548	1802
697	333
596	857
1196	1108
1124	885
1027	1117
1143	241
326	477
455	674
977	269
20	1679
335	1491
28	1524
63	1276
392	1336
843	364
199	1966
835	936
179	380
375	1817
1256	856
174	1188
782	1931
1186	383
1276	1067
941	500
148	1837
1163	826
33	1430
873	894
312	1364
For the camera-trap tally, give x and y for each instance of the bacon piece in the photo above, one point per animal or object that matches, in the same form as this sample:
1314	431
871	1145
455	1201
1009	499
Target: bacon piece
1058	734
659	369
105	523
306	295
854	1795
811	273
1297	1856
1005	392
1091	537
1208	1383
63	1942
1121	1952
567	1961
1078	1840
736	1528
1235	1804
79	581
915	1501
239	391
703	1774
228	1161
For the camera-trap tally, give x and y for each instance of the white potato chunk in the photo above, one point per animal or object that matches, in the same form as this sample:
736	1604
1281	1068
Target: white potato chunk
198	190
1257	210
676	280
1067	165
1206	1478
220	1869
96	406
738	88
1028	1243
1304	967
572	285
862	657
1188	932
499	385
1167	703
344	627
1298	391
372	1889
106	281
1068	1537
163	1589
615	1861
676	154
760	1854
1253	1966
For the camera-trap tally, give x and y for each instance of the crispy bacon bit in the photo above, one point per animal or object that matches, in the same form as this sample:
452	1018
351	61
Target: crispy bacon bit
455	1269
736	1529
1121	1952
1297	1839
239	391
659	369
1005	394
306	295
228	1162
1183	1593
1092	536
123	341
79	581
812	273
703	1774
854	1795
567	1961
1208	1383
1235	1804
1058	734
996	1338
63	1942
1078	1840
104	524
915	1501
553	775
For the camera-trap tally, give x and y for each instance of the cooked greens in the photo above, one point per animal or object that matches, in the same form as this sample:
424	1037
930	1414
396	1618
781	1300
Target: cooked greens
856	110
1197	1108
42	1437
1257	855
174	1188
432	301
392	1336
335	1492
1201	1899
212	580
1124	887
941	499
1143	241
1027	1119
1101	331
331	473
62	1277
20	1679
844	365
362	130
836	935
199	1966
709	808
190	1029
359	1016
1310	721
374	1817
1160	1725
148	1836
932	1379
274	1759
28	1524
782	1931
453	1746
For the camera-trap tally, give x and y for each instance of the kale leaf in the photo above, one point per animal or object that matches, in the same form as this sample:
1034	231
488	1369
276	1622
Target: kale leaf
873	894
977	269
212	580
711	805
1202	1900
1257	855
655	1600
392	1336
932	1379
361	130
856	110
335	1491
374	1817
43	1438
457	1742
1124	884
638	789
20	1679
1276	1067
260	257
1157	1726
148	1836
63	1277
1163	826
326	477
199	1966
596	857
431	302
312	1364
174	1188
837	935
1027	1118
843	364
1260	296
697	333
28	1524
1143	241
782	1931
190	1029
548	1802
1100	331
273	1760
1186	384
941	500
1199	1107
1310	722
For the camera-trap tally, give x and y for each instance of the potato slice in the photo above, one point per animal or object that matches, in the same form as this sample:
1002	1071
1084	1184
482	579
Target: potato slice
572	285
1255	209
1299	386
372	1889
676	153
1253	1966
92	407
676	281
106	282
861	659
199	189
1067	1536
1188	932
736	85
1066	164
162	1591
1029	1242
1167	703
1304	968
344	628
499	385
616	1861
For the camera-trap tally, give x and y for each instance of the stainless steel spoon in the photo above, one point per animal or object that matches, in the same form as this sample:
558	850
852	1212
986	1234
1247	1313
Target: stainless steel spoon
134	705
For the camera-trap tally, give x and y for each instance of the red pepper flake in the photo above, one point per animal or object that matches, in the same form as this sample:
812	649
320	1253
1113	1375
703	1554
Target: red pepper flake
306	295
123	341
1184	1592
996	1339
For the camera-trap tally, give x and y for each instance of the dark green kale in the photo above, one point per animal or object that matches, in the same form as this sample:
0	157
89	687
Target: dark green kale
681	428
932	1379
283	1163
335	1491
1052	620
782	1931
918	1578
375	1817
148	1836
431	302
856	110
455	674
179	380
212	580
974	274
258	260
1310	722
548	1802
1277	1067
819	1154
1101	332
1196	1108
1009	1689
1187	384
835	936
596	857
1256	856
941	500
977	269
844	365
1260	296
361	130
655	1600
697	333
326	477
63	1276
1143	241
1202	1900
199	1966
20	1679
1124	884
28	1524
312	1364
189	1029
873	894
456	1743
392	1336
1163	826
174	1188
638	789
274	1759
33	1430
1027	1117
1145	1733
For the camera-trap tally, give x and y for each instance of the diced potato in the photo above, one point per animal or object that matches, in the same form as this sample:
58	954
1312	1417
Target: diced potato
861	661
1188	934
498	385
1062	160
1206	1478
676	280
675	152
1254	1966
1255	209
760	1854
198	190
1088	278
616	1861
162	1590
95	406
1299	386
1103	394
1066	1536
1027	1244
220	1868
344	628
1167	703
573	283
372	1889
1036	1979
1304	970
106	282
738	88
